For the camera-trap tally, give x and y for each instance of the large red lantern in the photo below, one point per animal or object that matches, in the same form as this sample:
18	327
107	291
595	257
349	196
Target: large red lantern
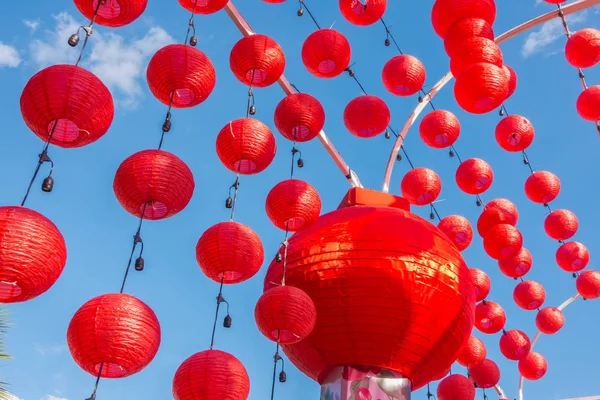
481	88
181	76
203	6
246	146
529	295
485	375
518	265
403	75
474	176
366	116
439	129
475	50
561	224
113	336
588	104
549	320
33	254
458	229
153	184
293	205
211	375
421	186
363	12
447	12
464	29
583	48
542	187
326	53
515	345
112	13
533	366
257	61
482	284
502	241
299	117
69	103
497	211
456	387
588	284
514	133
229	252
489	317
572	256
473	353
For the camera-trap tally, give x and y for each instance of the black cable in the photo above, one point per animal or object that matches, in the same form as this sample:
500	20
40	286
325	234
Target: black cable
236	186
93	396
136	239
390	35
275	360
88	33
191	23
303	5
43	157
219	301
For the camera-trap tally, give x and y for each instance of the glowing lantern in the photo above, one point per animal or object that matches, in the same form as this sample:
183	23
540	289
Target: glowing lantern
549	320
293	205
572	256
246	146
502	241
533	366
495	212
229	252
542	187
475	50
473	353
464	29
481	88
489	317
512	79
515	345
518	265
257	61
529	295
588	284
181	75
203	6
583	48
421	186
403	75
561	224
485	375
447	12
366	116
69	103
456	387
363	12
514	133
112	13
326	53
439	129
299	117
588	104
474	176
211	375
482	284
458	229
114	336
32	254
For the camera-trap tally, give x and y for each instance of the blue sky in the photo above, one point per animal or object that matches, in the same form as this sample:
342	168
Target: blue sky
98	231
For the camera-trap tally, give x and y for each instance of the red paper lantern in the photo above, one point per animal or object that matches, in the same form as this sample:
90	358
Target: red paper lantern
475	50
555	1
588	104
181	76
518	265
299	117
293	205
458	229
485	375
533	366
114	336
456	387
69	103
211	375
583	48
572	256
204	6
588	284
439	129
363	12
473	353
561	224
274	1
515	345
512	79
502	241
474	176
489	317
326	53
33	254
529	295
549	320
403	75
447	12
339	263
514	133
497	211
229	252
153	184
246	146
257	61
112	13
464	29
481	88
285	314
366	116
421	186
542	187
482	284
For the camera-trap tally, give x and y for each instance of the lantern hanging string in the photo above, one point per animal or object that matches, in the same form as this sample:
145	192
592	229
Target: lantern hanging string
88	32
191	25
276	358
42	158
93	396
137	239
220	299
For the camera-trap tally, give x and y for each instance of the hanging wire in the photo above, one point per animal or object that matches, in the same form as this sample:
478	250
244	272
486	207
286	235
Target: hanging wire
231	202
137	239
88	32
93	396
166	127
220	299
191	26
303	6
42	158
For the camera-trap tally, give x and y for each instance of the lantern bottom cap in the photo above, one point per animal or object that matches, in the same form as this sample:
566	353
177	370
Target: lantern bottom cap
9	290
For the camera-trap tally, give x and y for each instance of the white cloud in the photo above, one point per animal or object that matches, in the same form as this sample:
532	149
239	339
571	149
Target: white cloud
9	56
548	34
32	25
12	397
50	350
50	397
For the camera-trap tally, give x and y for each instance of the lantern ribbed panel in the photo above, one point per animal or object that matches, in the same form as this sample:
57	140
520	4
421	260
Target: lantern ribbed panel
363	12
549	320
293	205
482	284
515	345
588	284
183	72
458	229
473	353
481	88
211	375
366	116
299	117
561	224
421	186
447	12
513	80
32	254
497	211
246	145
113	13
502	241
375	267
464	29
518	265
326	53
485	375
489	317
456	387
474	176
583	48
529	295
439	129
229	251
257	60
475	50
403	75
155	181
117	332
514	133
588	104
204	7
572	256
542	187
70	97
285	314
533	366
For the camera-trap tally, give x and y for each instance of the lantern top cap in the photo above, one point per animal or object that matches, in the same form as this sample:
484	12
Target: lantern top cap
368	197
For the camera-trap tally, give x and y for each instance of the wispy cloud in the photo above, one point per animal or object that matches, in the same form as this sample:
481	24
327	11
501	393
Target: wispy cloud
9	56
33	25
54	350
551	31
50	397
